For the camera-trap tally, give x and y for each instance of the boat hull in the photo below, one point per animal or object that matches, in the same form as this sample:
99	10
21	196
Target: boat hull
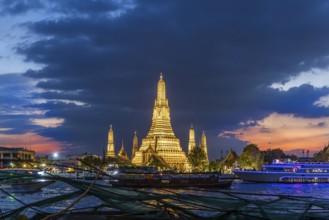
281	177
220	184
172	181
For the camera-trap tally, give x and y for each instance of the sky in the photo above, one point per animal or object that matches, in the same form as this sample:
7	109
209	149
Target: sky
242	71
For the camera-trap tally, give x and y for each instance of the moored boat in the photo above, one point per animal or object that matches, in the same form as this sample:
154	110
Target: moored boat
287	173
171	180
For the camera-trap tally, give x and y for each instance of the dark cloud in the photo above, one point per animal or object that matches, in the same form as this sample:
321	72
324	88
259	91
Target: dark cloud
300	101
13	90
77	7
321	124
15	112
218	59
317	125
15	7
72	7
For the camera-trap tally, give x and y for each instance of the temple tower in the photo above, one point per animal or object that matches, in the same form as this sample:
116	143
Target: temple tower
191	141
161	125
122	153
161	140
110	144
204	145
135	145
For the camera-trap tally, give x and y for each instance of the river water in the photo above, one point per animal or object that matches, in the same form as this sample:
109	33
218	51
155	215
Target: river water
317	190
17	200
8	203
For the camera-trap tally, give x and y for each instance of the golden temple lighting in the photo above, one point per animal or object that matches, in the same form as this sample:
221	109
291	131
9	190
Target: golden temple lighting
110	145
191	142
160	141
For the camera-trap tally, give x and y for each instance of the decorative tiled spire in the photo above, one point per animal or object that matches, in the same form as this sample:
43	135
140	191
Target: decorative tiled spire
135	145
122	153
161	125
204	145
191	142
110	144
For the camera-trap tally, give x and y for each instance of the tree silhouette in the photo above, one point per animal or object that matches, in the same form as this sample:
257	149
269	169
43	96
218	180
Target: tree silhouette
197	157
251	157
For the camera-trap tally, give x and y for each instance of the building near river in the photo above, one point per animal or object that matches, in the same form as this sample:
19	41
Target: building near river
20	154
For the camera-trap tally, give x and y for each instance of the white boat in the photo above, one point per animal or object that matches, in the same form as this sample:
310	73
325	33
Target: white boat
287	173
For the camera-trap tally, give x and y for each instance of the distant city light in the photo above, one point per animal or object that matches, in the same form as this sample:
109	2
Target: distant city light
55	155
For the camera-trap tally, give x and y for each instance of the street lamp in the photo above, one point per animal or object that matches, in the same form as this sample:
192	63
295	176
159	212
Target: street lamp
55	155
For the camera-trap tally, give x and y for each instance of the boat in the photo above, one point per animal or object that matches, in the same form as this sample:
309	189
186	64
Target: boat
287	173
22	180
152	178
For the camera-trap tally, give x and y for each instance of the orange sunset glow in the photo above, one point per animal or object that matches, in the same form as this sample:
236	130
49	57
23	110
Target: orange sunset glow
287	132
31	141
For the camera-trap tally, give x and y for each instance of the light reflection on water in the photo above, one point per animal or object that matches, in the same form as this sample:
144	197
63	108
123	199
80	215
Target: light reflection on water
58	188
318	190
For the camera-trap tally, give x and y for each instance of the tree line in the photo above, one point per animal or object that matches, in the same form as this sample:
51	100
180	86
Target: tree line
251	158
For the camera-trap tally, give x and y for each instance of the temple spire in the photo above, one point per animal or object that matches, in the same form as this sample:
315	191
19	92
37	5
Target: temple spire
161	125
191	142
110	144
161	89
122	153
135	145
204	145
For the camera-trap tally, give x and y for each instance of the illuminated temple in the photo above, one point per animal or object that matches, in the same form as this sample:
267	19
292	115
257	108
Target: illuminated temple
160	144
161	140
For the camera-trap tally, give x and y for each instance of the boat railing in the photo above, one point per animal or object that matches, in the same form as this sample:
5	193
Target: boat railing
304	179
